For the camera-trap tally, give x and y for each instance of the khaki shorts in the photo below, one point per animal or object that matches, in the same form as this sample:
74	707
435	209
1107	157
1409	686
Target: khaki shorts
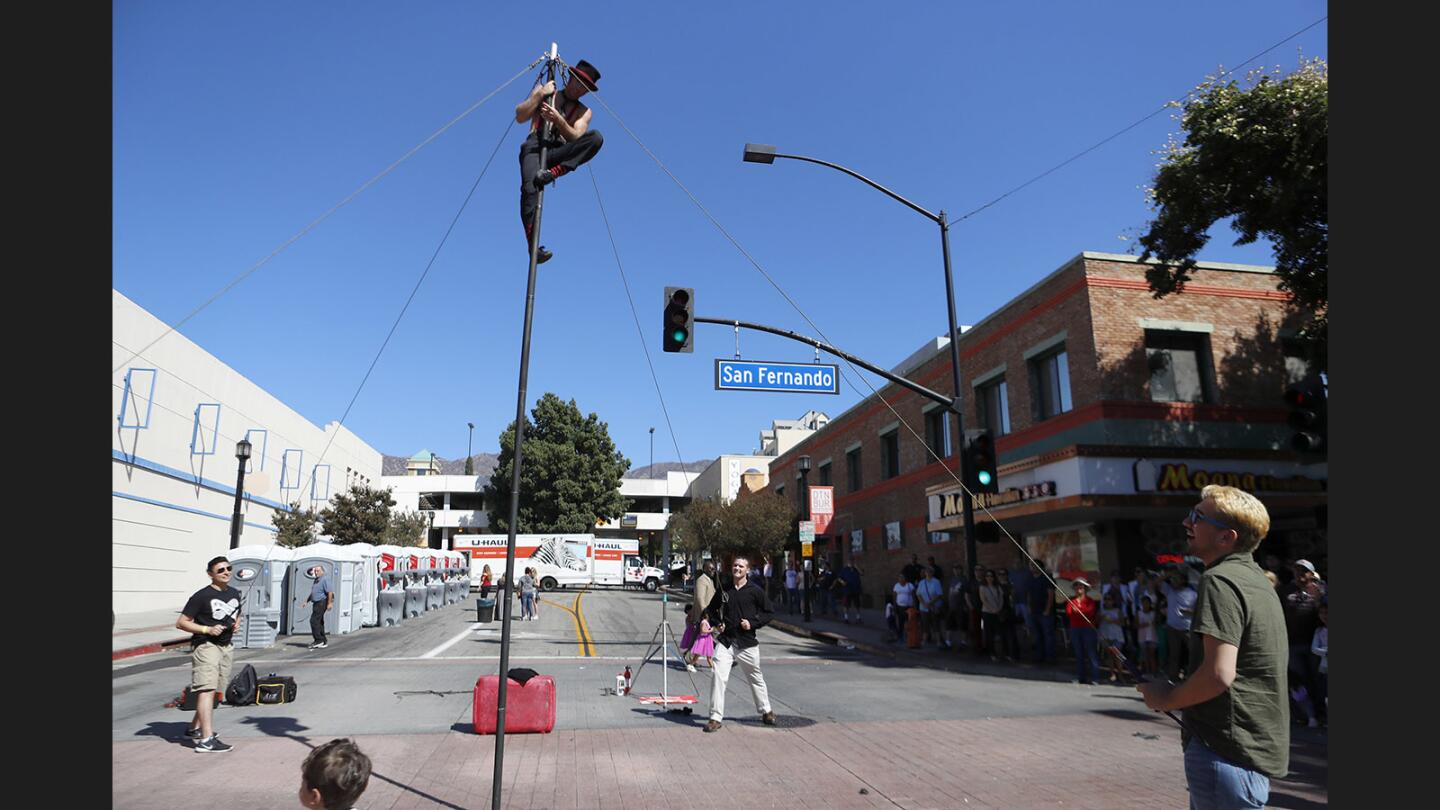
210	666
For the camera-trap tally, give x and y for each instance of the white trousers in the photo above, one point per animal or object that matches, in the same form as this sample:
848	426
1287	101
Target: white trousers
749	660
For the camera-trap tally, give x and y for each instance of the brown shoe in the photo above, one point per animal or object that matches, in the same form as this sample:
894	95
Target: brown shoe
713	725
768	718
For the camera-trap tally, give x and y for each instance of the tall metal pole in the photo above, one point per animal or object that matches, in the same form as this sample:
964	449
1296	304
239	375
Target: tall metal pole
652	452
808	578
765	153
469	444
519	436
966	506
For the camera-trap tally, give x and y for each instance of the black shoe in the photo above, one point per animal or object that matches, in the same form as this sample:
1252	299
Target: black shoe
212	746
543	178
768	718
194	733
712	726
542	255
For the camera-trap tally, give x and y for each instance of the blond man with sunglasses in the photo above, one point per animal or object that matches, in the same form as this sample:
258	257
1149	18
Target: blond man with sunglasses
211	616
1236	729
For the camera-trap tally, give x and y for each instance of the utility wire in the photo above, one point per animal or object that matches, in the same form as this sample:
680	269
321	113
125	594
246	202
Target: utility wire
435	255
640	333
416	289
1167	105
287	243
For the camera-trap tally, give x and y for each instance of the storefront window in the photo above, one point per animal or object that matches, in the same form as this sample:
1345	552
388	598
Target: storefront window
1067	553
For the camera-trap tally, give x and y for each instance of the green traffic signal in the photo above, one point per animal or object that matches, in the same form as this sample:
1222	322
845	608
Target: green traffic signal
984	478
679	316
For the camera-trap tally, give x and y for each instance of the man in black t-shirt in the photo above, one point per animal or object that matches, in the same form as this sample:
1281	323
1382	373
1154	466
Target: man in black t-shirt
210	616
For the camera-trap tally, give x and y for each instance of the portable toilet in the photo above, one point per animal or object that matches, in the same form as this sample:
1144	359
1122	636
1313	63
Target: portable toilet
343	567
416	593
368	585
459	577
390	581
434	585
259	573
447	575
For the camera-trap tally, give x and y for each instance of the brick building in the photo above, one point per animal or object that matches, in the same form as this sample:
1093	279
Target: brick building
1110	409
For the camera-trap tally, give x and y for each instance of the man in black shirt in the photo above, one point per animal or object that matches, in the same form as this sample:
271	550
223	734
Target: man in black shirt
912	570
211	616
737	610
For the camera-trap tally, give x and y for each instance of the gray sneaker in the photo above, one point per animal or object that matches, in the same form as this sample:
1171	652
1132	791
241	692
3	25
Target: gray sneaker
212	746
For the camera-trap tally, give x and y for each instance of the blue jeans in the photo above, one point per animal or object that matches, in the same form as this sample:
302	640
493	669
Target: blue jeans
1087	662
527	605
1042	629
792	599
1216	782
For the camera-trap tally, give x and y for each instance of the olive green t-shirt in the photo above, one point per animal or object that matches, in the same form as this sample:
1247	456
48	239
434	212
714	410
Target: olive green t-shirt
1249	723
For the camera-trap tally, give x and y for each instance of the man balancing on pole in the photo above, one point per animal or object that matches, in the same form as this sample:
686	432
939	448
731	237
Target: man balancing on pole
572	141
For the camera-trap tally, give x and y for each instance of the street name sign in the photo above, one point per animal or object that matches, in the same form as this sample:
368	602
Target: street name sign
765	375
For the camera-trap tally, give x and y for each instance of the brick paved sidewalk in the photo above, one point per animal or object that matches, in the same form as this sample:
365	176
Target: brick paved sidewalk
1081	761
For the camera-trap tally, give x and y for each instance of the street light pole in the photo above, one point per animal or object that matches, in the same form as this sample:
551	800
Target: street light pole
765	153
242	452
469	443
803	464
652	452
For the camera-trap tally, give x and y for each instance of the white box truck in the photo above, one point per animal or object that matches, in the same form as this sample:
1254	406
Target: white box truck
618	562
562	560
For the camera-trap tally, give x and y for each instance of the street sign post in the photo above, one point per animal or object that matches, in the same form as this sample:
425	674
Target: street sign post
765	375
807	538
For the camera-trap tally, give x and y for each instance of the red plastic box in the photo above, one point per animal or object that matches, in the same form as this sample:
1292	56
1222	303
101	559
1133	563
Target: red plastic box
529	709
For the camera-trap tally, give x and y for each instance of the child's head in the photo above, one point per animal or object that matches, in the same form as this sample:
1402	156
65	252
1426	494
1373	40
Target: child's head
333	776
1146	603
1110	599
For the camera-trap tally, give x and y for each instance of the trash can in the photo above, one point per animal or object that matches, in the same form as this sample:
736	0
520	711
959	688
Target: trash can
484	610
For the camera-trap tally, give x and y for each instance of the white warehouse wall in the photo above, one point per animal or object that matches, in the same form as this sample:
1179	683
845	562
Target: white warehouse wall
171	506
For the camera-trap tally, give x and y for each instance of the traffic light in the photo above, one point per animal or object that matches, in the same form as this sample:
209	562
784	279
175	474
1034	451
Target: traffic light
1307	400
981	461
679	319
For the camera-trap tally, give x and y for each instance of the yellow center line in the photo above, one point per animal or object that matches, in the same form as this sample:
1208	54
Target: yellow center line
577	617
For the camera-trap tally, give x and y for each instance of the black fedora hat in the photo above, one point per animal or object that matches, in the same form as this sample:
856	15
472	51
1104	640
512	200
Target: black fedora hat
587	74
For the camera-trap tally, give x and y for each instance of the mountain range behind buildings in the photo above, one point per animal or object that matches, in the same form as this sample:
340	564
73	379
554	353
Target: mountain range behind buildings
485	464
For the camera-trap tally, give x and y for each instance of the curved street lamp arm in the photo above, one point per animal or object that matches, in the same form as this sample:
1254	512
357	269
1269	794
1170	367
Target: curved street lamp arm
862	178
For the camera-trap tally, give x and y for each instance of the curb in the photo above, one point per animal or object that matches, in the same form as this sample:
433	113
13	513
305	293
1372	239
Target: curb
146	649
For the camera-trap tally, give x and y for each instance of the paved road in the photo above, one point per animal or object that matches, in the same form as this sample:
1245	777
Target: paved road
917	737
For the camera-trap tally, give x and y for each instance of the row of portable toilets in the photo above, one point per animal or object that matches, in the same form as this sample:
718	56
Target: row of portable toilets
374	586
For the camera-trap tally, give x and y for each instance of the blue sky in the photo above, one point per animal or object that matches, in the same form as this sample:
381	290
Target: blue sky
236	125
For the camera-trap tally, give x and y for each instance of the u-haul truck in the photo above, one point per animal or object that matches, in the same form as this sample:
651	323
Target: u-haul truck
562	560
618	562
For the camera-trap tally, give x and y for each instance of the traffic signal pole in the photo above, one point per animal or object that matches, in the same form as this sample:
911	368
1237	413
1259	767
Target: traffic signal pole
952	403
519	438
967	508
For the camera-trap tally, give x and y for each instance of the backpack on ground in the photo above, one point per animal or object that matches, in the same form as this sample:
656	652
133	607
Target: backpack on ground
242	688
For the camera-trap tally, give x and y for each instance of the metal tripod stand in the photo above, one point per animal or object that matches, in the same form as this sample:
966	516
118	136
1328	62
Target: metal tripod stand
660	642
